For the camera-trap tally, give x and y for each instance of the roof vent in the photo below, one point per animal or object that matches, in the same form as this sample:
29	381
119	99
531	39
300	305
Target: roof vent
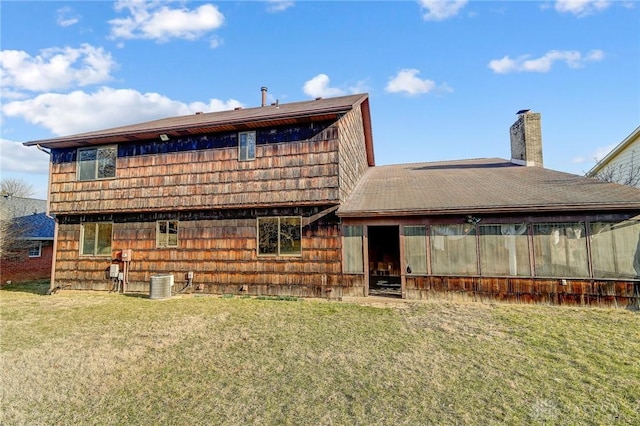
237	108
264	95
199	113
318	98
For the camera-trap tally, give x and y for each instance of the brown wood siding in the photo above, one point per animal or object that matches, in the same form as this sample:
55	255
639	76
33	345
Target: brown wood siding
292	173
353	151
583	292
222	255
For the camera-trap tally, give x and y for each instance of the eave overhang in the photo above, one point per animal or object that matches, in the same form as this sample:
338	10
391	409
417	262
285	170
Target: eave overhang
235	120
515	210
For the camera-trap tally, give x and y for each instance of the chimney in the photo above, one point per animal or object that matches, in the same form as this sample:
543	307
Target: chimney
264	95
526	139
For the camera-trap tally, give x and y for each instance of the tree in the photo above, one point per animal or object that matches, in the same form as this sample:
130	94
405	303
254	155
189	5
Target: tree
628	174
11	243
15	188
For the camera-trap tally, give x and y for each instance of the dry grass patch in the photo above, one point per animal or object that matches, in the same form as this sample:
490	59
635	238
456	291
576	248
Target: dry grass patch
95	358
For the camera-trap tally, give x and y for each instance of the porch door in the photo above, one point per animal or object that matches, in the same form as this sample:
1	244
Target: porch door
384	261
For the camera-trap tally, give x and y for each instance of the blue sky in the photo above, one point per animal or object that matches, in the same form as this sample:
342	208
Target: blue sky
445	78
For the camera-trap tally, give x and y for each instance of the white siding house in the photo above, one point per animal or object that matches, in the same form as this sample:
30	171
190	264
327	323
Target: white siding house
622	164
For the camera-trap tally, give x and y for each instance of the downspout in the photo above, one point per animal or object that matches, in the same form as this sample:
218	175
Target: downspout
55	221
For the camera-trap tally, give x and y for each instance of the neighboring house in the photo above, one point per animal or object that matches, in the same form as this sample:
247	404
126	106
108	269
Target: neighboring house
622	164
27	240
285	199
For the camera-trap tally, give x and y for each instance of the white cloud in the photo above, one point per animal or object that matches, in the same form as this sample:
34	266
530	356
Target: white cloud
407	81
581	7
215	42
274	6
524	63
595	156
67	17
318	86
55	68
19	158
439	10
79	111
155	21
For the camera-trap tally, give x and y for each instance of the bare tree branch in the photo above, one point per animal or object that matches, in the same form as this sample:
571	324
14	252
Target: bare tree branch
16	188
619	173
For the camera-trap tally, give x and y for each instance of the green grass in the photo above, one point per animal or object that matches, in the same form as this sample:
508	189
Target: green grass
98	358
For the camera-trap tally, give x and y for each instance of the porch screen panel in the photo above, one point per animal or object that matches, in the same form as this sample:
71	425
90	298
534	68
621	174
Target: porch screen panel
453	250
415	249
615	249
560	250
353	262
504	250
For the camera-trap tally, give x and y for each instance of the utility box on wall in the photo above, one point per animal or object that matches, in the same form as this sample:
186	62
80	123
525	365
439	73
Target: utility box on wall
126	255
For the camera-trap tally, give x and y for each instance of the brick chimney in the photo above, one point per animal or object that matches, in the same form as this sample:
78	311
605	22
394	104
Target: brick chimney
526	139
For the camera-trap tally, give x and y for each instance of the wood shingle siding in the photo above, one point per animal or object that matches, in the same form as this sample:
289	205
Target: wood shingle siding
353	159
290	173
221	253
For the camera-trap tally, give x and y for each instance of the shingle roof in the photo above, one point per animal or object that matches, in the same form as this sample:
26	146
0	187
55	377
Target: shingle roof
35	226
239	119
489	185
11	207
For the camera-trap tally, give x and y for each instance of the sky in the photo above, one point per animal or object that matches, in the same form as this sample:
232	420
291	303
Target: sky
445	78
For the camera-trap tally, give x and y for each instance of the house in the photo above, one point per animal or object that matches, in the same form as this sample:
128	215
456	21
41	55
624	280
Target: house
494	228
27	239
226	202
622	164
286	199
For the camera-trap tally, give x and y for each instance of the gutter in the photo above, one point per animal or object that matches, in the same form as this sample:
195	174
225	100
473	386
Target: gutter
486	210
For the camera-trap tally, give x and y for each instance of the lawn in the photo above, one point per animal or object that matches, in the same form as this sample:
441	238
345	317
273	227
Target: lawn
99	358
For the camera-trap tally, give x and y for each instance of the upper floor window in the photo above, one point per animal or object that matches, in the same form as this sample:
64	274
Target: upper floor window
97	163
96	239
246	146
280	236
167	233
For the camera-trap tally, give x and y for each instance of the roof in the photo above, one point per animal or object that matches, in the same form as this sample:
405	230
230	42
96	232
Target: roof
488	185
234	120
11	207
37	226
614	152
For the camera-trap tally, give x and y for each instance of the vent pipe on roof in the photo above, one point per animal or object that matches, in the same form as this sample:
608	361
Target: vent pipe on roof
264	95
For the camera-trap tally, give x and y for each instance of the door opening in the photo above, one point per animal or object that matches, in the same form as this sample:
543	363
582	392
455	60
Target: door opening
384	261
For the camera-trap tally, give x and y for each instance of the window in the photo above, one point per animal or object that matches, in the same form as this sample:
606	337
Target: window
279	236
167	233
504	250
246	146
96	239
415	249
453	250
35	250
353	258
615	249
560	250
97	163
